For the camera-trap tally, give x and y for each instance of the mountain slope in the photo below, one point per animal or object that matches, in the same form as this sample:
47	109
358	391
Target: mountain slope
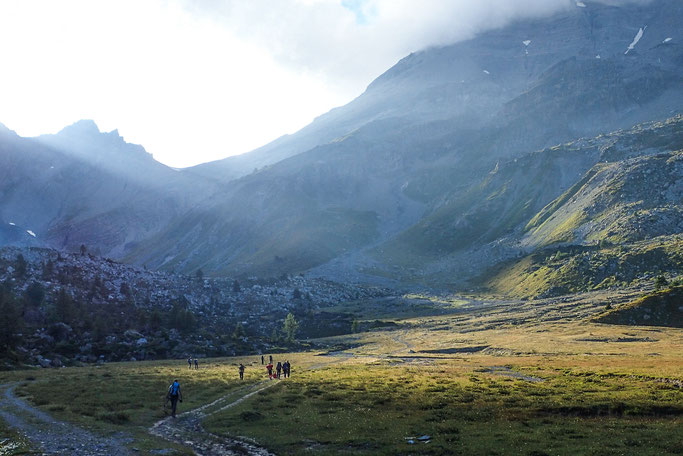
539	199
573	63
81	186
422	138
429	176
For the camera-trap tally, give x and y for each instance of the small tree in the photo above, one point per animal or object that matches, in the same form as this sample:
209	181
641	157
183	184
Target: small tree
236	286
661	282
84	250
296	294
35	294
155	320
20	266
199	275
48	269
64	307
355	326
10	323
100	328
239	331
290	327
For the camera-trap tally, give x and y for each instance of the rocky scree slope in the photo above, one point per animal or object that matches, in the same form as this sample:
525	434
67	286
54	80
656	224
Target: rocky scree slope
579	193
68	308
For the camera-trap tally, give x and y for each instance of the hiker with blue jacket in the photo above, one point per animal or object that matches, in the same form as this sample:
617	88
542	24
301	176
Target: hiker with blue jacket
174	394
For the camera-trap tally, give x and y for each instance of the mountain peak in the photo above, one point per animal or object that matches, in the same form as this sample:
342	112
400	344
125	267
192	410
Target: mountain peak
83	126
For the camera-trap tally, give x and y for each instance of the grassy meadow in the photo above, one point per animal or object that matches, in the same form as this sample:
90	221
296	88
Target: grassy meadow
527	377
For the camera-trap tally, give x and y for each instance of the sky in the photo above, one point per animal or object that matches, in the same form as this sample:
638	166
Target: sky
195	81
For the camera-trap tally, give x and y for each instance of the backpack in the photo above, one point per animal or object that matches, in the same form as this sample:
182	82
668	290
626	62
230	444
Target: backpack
174	389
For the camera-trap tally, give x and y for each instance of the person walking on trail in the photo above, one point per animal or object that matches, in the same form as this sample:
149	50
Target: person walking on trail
262	360
271	358
241	371
269	368
278	368
174	394
285	368
196	363
189	362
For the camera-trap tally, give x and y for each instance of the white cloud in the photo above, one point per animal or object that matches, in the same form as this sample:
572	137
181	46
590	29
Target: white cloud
197	81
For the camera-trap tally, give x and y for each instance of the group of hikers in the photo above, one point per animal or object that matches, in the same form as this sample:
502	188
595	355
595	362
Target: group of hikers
281	370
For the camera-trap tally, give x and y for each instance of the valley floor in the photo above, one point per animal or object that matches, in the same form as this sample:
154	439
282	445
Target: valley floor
470	377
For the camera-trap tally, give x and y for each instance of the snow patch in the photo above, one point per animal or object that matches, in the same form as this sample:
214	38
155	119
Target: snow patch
598	56
667	40
486	71
31	233
526	42
580	4
639	35
12	223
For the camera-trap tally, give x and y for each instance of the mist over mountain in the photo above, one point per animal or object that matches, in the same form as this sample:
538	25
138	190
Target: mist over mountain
82	186
433	175
480	83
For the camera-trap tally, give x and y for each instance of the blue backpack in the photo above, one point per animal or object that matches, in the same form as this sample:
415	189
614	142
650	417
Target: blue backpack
174	388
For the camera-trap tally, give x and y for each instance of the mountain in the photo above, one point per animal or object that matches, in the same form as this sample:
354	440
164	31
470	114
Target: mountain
82	186
346	196
466	165
583	192
566	71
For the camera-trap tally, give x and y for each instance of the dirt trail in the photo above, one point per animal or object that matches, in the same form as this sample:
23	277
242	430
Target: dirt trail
53	437
187	428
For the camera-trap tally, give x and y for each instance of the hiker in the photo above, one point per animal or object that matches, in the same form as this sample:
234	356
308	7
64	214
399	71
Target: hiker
262	361
269	367
278	368
189	362
271	358
285	368
241	371
174	394
196	363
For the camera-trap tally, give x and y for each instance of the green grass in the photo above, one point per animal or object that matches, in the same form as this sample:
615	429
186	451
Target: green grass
605	389
406	306
12	443
585	268
539	219
372	408
662	308
127	397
